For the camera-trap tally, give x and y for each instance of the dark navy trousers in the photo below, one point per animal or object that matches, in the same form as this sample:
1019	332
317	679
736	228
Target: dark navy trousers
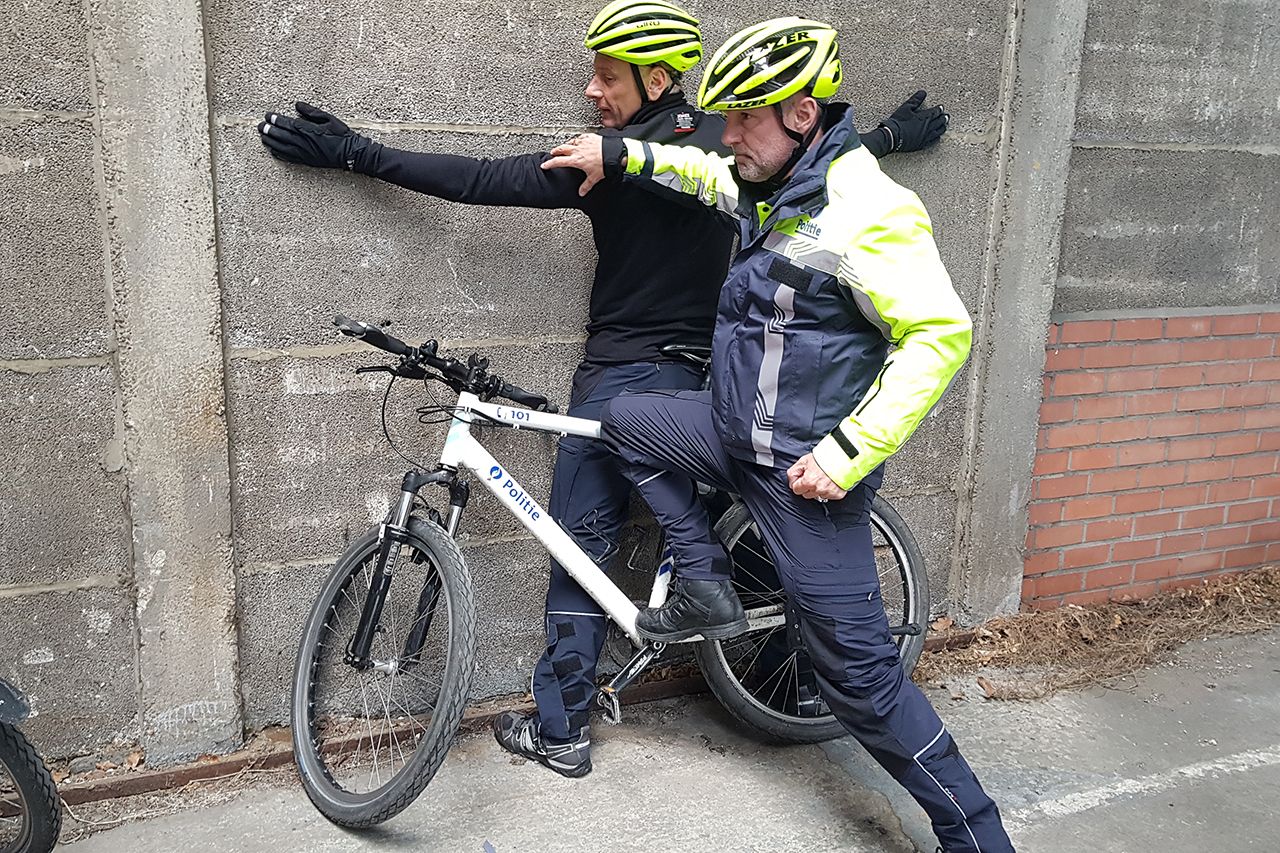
590	495
825	560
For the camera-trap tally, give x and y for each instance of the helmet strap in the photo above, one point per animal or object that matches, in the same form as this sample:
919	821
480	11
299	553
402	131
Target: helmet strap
802	141
644	93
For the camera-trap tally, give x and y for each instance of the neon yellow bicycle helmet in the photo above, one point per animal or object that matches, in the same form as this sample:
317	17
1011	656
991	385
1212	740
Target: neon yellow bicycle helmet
767	63
645	32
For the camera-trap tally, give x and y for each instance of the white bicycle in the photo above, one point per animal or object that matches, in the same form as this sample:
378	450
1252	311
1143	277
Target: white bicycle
385	664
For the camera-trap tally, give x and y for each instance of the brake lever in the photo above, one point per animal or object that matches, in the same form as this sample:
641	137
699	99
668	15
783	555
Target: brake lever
378	368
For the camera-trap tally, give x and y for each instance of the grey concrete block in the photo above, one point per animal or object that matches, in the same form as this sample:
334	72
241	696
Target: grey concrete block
1146	229
74	655
1184	71
955	181
931	519
313	469
511	591
272	608
44	52
63	495
497	64
54	299
298	244
932	458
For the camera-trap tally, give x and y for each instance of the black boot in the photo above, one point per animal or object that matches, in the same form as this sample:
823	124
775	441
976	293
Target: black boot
709	608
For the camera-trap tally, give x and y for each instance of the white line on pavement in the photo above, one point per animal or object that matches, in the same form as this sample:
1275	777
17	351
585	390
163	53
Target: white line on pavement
1084	800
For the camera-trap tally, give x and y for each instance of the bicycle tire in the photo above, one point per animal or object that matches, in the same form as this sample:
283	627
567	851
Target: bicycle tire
359	810
772	721
39	807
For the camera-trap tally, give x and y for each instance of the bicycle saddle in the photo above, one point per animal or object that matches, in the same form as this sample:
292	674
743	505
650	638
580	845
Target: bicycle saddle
700	355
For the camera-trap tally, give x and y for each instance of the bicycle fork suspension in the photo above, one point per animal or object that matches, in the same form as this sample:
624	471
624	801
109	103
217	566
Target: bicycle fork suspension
429	598
394	534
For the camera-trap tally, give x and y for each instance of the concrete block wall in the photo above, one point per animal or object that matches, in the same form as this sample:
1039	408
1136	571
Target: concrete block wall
1172	195
116	582
68	633
1157	456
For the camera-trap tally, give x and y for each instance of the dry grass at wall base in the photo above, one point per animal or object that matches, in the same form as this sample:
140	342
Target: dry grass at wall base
1035	654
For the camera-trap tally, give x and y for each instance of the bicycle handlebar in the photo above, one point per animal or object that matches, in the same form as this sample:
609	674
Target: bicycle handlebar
472	376
371	335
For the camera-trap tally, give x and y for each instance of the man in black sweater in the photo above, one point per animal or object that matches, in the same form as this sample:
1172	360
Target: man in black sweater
656	283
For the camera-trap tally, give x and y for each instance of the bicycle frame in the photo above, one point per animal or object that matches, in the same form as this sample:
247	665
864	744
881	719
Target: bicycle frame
462	450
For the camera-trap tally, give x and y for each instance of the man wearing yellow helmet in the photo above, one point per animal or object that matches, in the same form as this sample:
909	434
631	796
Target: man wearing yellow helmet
836	266
655	284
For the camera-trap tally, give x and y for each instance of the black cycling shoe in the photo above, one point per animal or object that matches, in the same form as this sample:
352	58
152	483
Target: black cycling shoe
709	608
518	734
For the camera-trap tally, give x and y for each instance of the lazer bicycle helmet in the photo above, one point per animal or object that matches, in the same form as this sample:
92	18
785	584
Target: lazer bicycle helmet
767	63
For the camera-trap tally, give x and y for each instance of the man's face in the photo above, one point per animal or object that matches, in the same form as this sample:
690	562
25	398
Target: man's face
760	146
613	90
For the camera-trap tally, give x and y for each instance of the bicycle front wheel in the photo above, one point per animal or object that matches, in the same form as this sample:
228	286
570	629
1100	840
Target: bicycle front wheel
758	677
368	739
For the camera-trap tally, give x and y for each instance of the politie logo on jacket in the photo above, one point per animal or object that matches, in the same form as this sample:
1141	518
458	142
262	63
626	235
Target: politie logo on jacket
685	122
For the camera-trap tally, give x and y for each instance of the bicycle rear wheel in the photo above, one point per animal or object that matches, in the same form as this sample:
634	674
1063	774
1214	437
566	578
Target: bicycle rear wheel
758	677
368	740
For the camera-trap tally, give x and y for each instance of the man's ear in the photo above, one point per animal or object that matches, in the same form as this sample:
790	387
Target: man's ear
805	111
659	81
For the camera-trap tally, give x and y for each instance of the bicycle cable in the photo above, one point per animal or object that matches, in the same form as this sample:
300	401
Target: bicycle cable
386	396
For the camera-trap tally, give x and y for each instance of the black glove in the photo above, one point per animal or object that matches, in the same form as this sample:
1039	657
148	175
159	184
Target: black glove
314	138
911	128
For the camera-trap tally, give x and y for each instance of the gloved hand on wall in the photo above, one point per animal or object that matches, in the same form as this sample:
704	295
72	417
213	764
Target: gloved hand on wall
911	128
314	138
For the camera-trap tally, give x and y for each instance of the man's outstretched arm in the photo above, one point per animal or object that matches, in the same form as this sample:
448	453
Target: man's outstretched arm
317	138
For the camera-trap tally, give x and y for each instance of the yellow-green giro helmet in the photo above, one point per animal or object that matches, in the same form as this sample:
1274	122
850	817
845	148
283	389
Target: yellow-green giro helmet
769	62
644	32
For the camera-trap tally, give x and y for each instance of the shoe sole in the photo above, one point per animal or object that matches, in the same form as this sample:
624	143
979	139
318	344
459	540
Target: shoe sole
575	772
715	632
571	772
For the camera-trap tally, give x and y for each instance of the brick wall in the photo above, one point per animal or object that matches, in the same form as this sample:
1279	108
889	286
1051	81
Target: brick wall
1157	455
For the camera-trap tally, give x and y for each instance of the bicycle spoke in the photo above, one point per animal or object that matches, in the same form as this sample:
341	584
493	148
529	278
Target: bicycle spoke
782	668
761	647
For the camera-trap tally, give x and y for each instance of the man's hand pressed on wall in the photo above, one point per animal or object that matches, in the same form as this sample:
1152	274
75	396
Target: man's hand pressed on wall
809	481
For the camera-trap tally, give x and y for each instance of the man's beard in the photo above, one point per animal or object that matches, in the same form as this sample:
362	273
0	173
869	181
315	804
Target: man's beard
753	172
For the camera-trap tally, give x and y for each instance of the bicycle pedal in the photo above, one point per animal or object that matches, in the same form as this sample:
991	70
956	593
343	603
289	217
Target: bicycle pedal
610	705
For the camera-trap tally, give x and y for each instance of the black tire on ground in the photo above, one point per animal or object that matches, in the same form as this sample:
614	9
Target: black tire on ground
329	735
771	710
35	828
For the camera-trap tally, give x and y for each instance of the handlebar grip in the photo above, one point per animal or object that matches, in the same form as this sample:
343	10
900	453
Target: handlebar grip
526	398
371	335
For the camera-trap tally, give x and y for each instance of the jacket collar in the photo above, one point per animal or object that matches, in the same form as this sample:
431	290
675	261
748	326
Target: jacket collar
642	123
662	106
